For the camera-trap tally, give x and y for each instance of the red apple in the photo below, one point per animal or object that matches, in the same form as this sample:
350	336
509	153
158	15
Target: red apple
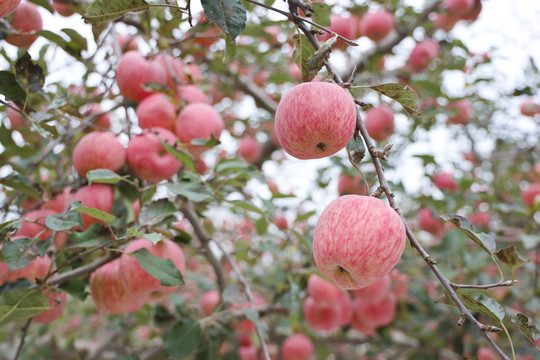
98	196
209	300
321	316
377	25
15	118
207	37
377	314
249	149
445	181
156	110
428	223
315	120
247	352
322	291
345	306
33	229
127	42
379	122
7	7
485	353
38	269
359	323
63	8
25	19
529	107
103	122
445	21
375	292
344	26
352	185
480	218
473	13
357	240
57	300
401	283
98	150
108	291
281	222
134	71
422	55
188	94
137	281
463	111
147	157
297	347
530	193
459	7
60	203
198	121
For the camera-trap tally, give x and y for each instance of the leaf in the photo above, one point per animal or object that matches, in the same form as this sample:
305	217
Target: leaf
304	216
20	253
229	15
96	213
195	192
261	225
29	75
230	165
153	237
10	88
20	283
483	240
154	212
403	94
321	13
22	183
528	327
181	155
104	176
481	304
183	339
356	150
76	288
64	221
319	57
303	51
510	257
247	205
21	304
107	10
162	269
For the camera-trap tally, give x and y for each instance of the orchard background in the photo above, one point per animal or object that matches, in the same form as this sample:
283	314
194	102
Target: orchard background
86	169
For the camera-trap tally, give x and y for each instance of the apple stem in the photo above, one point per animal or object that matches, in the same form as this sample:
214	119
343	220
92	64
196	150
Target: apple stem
321	146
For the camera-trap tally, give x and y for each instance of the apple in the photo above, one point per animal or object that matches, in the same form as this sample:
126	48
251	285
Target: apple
147	157
352	185
57	300
98	150
136	206
422	55
281	222
357	240
209	300
445	21
485	353
137	281
401	283
315	120
473	13
345	306
444	180
26	18
260	78
37	227
428	223
207	37
530	193
480	218
249	149
98	196
321	316
377	25
345	26
245	328
379	122
108	291
15	118
60	203
156	110
247	352
127	42
103	122
359	323
198	121
529	107
375	292
297	347
7	7
38	269
463	111
133	71
63	8
459	7
188	94
377	314
323	291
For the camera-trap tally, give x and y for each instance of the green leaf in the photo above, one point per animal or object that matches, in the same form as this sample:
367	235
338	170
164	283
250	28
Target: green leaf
183	339
356	150
154	212
227	165
9	226
481	304
261	225
29	75
20	283
96	213
403	94
64	221
247	205
316	61
104	176
107	10
181	155
21	304
528	327
321	13
511	258
304	216
206	142
194	191
22	183
229	15
162	269
153	237
10	88
303	51
91	237
483	240
76	288
20	253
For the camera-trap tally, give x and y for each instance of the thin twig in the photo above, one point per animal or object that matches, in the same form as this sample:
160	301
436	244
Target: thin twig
483	287
24	331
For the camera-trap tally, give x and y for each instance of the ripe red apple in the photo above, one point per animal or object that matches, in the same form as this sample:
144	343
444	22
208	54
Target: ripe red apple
315	120
207	37
127	42
352	185
33	229
480	218
209	300
281	222
249	149
529	107
379	122
473	13
188	94
38	269
156	110
345	26
422	55
103	122
198	121
345	306
98	150
377	25
321	316
15	118
60	203
98	196
57	300
530	193
357	240
375	292
445	21
297	347
63	8
7	7
359	323
246	328
108	291
485	353
137	281
463	109
249	352
25	19
377	314
401	283
444	180
322	291
147	157
133	71
459	7
428	223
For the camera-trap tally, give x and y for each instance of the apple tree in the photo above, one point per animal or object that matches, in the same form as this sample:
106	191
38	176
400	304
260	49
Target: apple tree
265	179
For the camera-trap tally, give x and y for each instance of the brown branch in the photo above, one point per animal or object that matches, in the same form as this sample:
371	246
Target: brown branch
24	331
83	270
483	287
